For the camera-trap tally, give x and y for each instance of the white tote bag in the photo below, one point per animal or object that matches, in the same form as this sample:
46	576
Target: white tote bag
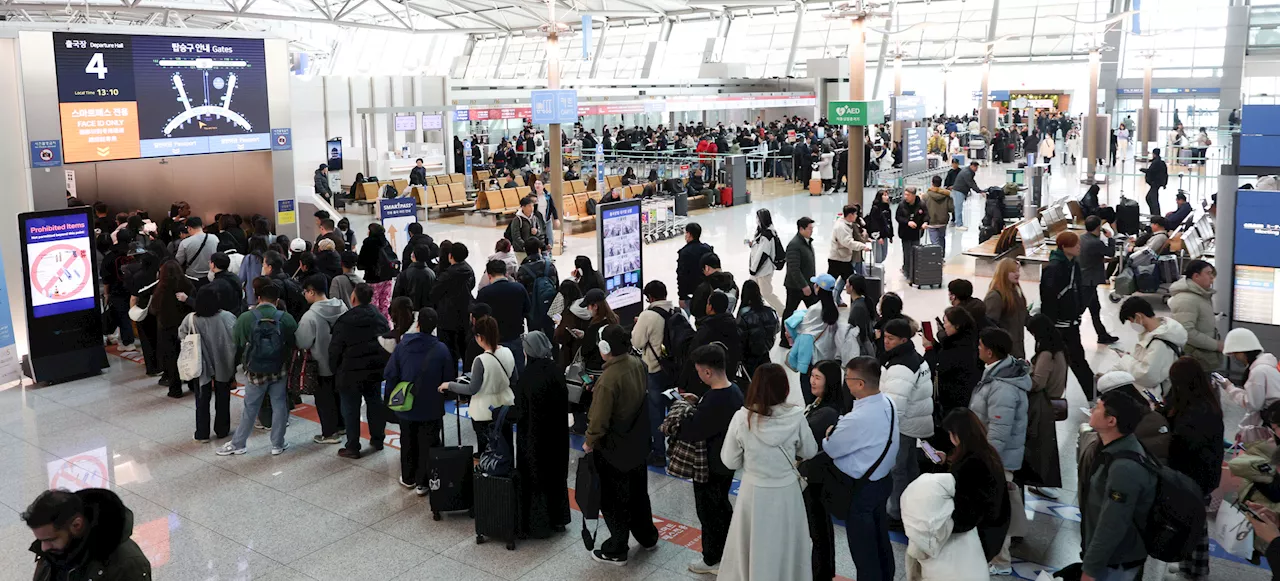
1231	530
190	364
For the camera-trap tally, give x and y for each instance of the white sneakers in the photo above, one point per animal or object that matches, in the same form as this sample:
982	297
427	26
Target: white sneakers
700	567
278	451
230	449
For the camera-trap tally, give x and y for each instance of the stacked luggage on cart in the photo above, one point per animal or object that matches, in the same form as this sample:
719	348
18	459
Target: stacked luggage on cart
1143	272
926	266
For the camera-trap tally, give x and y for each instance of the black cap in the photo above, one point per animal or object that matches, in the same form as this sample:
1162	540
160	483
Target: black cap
619	339
592	297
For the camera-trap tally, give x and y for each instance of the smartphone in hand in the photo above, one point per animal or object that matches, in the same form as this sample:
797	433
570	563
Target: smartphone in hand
928	331
933	453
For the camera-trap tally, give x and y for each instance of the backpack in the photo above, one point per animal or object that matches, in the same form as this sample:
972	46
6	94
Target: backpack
677	335
1177	515
497	459
542	290
779	253
591	207
295	302
388	264
265	354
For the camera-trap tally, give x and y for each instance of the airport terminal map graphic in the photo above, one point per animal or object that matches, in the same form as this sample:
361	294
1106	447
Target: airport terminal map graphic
59	264
125	97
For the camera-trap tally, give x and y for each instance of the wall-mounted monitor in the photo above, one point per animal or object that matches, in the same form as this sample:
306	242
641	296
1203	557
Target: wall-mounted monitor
129	97
432	122
1257	240
407	122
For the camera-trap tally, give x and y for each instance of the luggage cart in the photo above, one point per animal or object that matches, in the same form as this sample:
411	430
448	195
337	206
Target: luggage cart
1162	291
658	220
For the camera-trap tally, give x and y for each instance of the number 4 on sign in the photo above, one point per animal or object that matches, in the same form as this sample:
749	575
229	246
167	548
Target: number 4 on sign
96	66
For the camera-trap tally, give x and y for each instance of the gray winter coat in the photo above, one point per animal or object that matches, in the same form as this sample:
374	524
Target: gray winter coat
1000	402
217	349
1192	305
342	286
314	331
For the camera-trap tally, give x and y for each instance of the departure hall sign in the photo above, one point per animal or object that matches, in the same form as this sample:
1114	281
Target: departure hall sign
856	113
126	97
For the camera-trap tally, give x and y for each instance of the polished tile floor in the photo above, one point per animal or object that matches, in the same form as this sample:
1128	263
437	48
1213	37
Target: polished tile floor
308	514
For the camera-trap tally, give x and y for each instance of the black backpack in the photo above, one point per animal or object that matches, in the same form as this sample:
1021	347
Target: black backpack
677	335
1177	515
779	253
388	264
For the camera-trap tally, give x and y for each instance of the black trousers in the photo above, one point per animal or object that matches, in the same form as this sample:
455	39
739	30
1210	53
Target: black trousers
167	350
150	338
1153	200
822	532
416	439
1095	311
219	392
711	499
456	341
908	257
624	500
1076	359
328	406
375	415
867	529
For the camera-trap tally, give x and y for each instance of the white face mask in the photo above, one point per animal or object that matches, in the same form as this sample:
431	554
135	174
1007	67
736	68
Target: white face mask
211	273
603	346
1137	327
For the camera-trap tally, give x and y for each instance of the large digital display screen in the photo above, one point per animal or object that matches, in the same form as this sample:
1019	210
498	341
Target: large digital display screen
59	264
1257	240
621	242
1256	299
128	97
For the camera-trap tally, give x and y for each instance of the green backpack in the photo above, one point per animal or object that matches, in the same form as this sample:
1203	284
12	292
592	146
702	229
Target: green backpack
401	399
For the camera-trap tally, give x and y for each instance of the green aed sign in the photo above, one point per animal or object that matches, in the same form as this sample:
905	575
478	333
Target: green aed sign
859	113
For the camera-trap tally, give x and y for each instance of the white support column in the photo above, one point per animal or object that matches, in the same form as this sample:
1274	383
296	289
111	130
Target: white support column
595	58
795	41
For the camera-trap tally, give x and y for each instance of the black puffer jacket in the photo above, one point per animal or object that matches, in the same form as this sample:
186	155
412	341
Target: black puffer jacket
1060	296
722	328
689	268
355	355
370	252
958	368
452	296
415	282
107	552
718	281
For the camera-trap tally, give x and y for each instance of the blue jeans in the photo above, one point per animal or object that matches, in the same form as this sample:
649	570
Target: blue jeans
517	351
253	396
658	405
957	198
867	529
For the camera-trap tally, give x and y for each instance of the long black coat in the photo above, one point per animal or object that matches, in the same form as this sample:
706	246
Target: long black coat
1197	445
543	465
958	368
452	296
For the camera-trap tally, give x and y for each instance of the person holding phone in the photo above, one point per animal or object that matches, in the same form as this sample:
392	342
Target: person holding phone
1195	419
1261	383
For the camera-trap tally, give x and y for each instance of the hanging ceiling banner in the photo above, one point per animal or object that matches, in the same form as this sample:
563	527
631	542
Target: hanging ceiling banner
586	37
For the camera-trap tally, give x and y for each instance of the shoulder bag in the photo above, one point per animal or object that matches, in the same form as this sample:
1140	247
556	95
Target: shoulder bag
838	488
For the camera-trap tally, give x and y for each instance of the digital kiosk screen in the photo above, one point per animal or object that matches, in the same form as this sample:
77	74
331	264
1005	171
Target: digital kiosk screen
1257	257
621	242
129	97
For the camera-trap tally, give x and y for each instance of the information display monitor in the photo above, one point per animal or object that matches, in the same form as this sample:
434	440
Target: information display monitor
622	256
60	283
407	122
137	96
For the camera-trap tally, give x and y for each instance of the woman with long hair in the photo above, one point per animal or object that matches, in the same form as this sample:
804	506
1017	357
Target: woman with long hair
218	362
1007	306
168	306
1195	419
956	359
769	533
404	320
890	309
375	254
586	276
757	325
981	493
569	314
541	405
813	333
831	400
1261	383
1040	469
765	245
490	385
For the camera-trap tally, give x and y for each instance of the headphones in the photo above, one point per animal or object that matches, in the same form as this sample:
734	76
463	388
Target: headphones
603	346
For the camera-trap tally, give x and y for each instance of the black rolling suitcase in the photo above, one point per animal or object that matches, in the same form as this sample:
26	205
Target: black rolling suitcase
1127	217
926	265
1012	206
1168	266
875	285
497	511
450	485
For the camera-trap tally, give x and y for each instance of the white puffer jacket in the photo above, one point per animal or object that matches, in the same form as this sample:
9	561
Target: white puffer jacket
1261	388
933	552
908	382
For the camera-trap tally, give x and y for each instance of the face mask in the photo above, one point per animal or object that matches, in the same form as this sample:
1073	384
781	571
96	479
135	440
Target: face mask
1137	327
604	347
211	273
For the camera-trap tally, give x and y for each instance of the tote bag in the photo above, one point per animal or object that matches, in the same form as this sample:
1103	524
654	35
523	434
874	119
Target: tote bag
190	363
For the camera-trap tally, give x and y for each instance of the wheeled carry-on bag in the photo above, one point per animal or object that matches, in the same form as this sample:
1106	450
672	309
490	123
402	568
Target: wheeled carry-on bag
1168	267
875	284
450	486
726	196
815	187
1127	217
926	265
1148	278
497	514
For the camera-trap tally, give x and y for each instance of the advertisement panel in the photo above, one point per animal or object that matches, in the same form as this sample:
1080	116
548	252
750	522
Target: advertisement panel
621	255
396	214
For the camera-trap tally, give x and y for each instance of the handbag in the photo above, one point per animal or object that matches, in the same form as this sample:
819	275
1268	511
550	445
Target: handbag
401	397
791	459
190	362
1231	530
1059	408
586	491
576	379
497	459
304	373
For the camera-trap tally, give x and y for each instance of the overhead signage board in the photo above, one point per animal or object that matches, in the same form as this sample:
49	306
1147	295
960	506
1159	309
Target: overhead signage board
407	122
908	108
46	153
554	106
855	113
432	122
126	97
917	150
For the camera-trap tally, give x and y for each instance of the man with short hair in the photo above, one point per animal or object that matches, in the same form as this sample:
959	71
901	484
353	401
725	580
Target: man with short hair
1180	212
863	445
357	361
329	230
230	289
801	269
1000	402
290	291
194	250
939	207
1092	261
315	332
418	175
709	423
618	432
422	360
510	305
1191	300
1062	300
84	535
960	294
912	218
452	297
264	336
689	271
419	238
714	280
416	280
1160	343
1117	499
647	336
341	286
524	225
844	247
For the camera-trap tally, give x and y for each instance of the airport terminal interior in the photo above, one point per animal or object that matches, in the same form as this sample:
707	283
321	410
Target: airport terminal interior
318	120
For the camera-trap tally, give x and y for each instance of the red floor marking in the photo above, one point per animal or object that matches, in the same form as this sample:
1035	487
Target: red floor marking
668	530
